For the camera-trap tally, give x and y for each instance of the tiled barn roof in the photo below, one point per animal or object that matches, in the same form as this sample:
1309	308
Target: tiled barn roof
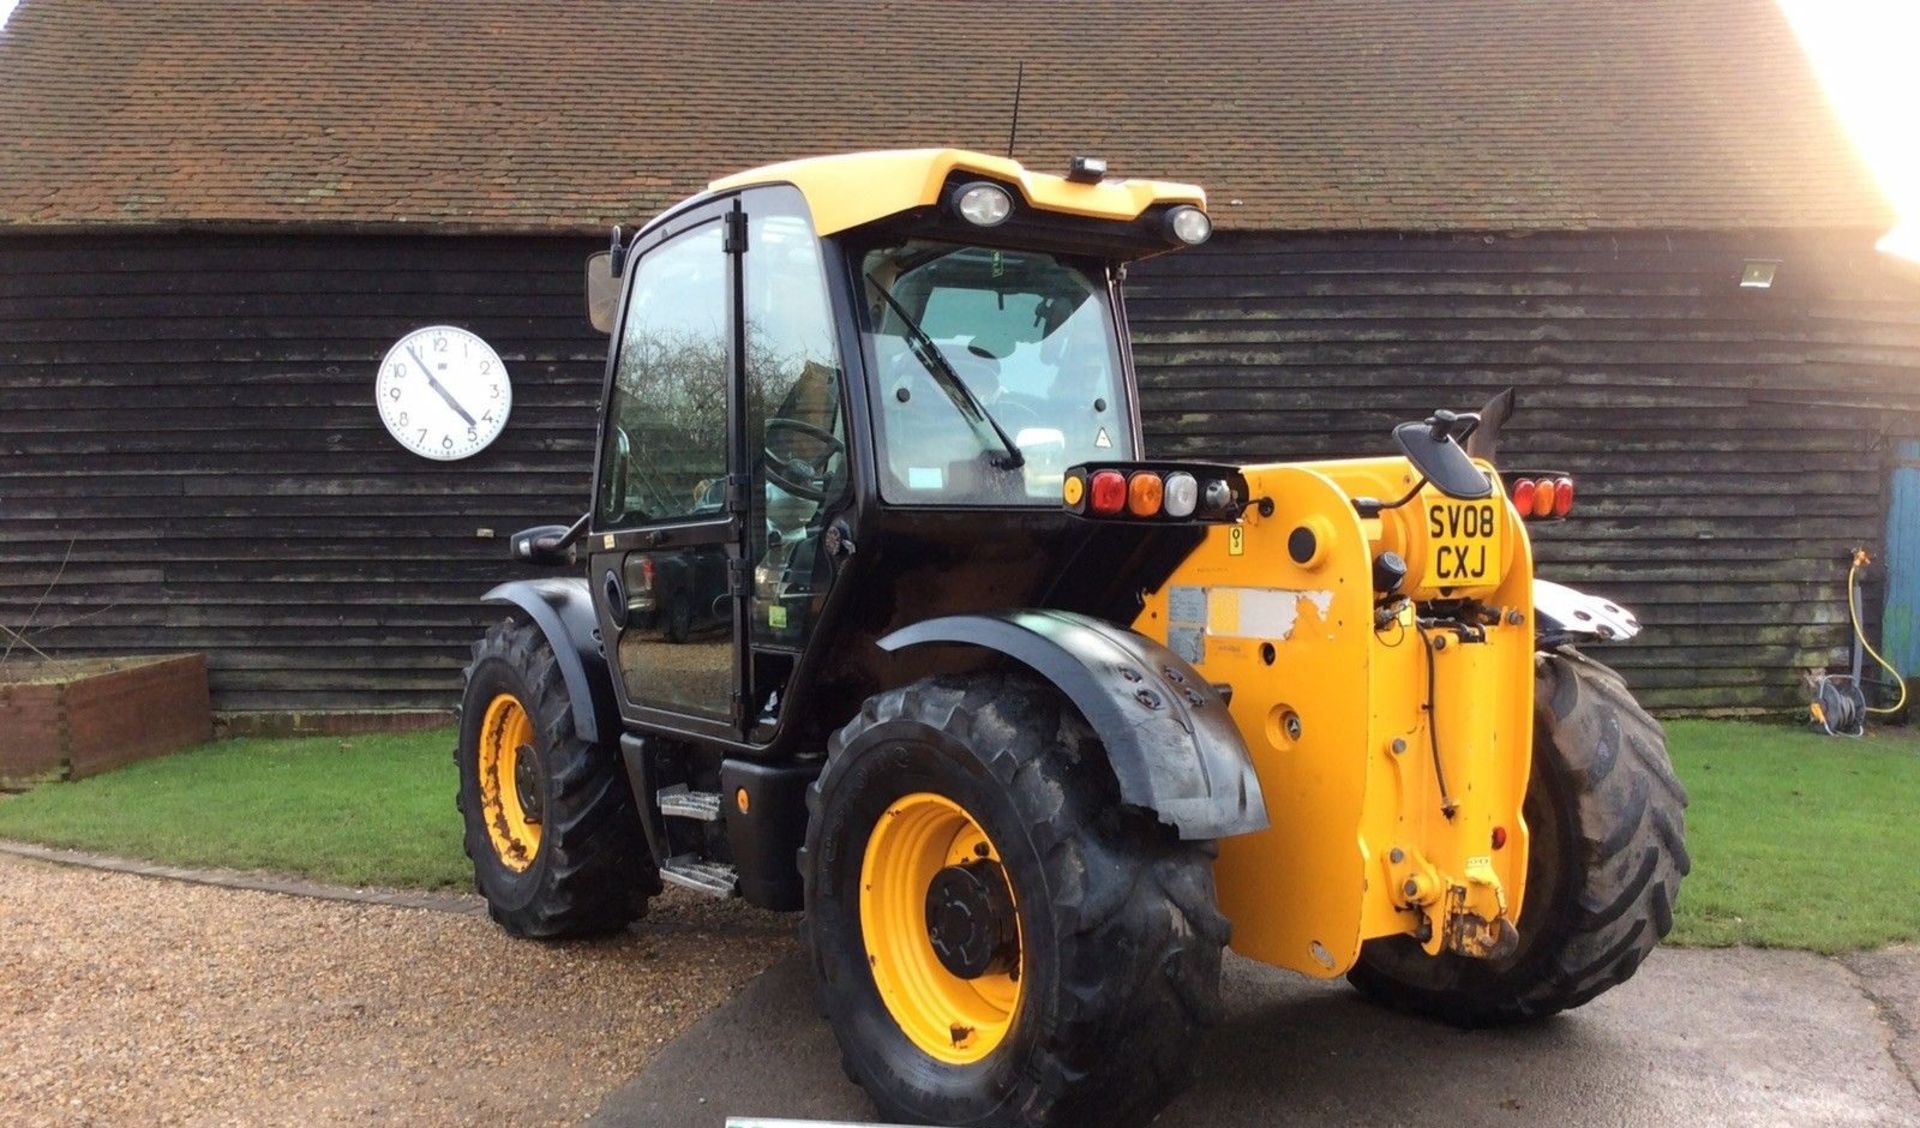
531	115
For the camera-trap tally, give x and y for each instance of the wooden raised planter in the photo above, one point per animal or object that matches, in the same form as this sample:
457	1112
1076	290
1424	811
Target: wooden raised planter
73	718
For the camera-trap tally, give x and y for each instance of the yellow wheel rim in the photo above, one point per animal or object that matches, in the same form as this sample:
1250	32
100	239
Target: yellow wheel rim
506	750
954	1020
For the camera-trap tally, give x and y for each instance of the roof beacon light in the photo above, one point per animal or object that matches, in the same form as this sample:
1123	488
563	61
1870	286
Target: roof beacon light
983	204
1183	494
1087	170
1189	224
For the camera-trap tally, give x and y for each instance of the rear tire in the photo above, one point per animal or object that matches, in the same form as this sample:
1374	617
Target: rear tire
579	866
1118	936
1608	852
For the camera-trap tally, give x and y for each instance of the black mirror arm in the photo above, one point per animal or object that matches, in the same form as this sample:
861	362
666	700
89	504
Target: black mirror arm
561	542
1455	425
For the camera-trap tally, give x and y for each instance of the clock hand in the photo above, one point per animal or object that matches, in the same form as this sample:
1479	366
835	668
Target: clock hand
444	394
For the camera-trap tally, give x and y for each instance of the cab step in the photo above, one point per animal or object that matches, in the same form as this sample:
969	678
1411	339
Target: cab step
716	879
678	802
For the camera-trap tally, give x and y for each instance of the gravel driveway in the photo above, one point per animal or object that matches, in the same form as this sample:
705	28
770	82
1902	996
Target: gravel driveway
129	1000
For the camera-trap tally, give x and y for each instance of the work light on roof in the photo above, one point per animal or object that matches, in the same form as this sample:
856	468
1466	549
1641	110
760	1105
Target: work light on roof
1087	170
1189	224
983	204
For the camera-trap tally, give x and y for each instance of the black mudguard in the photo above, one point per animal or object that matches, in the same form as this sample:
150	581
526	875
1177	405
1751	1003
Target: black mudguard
562	607
1173	746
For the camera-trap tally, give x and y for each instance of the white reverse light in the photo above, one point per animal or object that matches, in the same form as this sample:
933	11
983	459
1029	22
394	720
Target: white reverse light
1189	224
985	205
1183	494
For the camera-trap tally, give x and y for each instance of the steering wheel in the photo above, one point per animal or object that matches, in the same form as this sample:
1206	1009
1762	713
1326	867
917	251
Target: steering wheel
799	477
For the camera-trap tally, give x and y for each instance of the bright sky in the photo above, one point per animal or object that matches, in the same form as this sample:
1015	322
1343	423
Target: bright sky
1863	51
6	9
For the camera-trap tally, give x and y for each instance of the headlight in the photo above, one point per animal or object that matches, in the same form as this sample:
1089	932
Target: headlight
983	204
1189	224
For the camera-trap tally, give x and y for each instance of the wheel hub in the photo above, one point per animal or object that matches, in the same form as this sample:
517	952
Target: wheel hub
508	768
526	782
941	925
970	920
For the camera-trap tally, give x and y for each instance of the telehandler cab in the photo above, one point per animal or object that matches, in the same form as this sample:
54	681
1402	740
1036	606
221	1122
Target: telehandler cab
886	615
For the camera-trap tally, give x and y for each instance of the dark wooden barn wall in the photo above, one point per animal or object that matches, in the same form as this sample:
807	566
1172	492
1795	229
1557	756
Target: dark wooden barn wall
186	421
192	417
1730	446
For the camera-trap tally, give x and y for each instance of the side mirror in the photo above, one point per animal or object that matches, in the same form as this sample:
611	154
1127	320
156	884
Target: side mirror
542	544
546	544
1431	447
603	282
603	291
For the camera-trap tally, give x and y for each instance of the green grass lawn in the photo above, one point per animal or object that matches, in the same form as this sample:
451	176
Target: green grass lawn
1798	840
374	809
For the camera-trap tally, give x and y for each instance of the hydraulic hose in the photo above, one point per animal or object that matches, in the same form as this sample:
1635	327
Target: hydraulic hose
1861	560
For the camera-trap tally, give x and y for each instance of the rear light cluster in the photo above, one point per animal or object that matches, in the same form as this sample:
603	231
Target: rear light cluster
1175	491
1543	496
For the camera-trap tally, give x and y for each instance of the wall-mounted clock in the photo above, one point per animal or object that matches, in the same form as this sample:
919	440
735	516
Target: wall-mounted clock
443	393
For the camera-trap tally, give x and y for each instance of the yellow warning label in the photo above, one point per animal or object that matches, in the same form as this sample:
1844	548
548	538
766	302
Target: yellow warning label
1236	540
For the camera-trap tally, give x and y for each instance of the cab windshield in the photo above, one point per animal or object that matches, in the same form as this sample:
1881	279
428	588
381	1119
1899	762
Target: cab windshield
1031	337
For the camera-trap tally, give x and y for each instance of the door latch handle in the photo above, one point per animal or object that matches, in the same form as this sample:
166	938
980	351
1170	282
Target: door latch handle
616	596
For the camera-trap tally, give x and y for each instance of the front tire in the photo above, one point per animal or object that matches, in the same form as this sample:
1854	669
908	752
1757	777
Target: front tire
551	825
1608	851
1092	929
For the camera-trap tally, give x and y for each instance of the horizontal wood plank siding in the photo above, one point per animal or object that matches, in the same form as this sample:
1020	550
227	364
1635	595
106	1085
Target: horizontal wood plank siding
1731	446
188	443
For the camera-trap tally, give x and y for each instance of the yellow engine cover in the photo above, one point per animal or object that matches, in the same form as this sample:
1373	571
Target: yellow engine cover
1332	695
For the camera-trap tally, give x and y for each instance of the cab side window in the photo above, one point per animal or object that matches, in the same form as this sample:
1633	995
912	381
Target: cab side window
796	431
666	450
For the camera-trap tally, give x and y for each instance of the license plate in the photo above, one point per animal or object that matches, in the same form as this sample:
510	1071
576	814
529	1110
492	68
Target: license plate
1464	548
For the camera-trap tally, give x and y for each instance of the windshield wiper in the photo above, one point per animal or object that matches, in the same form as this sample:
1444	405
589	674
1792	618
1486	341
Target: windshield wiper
941	369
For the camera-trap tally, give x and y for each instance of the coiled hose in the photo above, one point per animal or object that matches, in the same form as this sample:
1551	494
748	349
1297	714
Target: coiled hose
1840	706
1861	560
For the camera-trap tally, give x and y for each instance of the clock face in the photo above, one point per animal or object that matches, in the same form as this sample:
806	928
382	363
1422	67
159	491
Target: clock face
443	393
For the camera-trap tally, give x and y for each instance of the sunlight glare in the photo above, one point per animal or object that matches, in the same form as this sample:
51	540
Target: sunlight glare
1864	52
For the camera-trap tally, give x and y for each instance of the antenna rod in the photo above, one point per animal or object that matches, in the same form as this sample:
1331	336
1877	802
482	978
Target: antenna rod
1013	130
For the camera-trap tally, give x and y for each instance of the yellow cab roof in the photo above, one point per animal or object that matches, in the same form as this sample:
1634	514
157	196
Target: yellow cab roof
850	189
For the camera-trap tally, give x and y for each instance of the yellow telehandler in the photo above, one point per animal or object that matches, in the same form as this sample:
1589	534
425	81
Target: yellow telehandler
880	610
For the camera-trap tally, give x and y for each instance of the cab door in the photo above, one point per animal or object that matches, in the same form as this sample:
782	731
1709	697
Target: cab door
666	548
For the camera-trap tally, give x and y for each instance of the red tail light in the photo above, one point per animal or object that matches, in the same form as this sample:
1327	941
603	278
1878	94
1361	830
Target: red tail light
1107	492
1543	496
1562	497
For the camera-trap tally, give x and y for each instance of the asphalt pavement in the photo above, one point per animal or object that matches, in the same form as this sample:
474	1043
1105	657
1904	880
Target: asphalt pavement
1698	1037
